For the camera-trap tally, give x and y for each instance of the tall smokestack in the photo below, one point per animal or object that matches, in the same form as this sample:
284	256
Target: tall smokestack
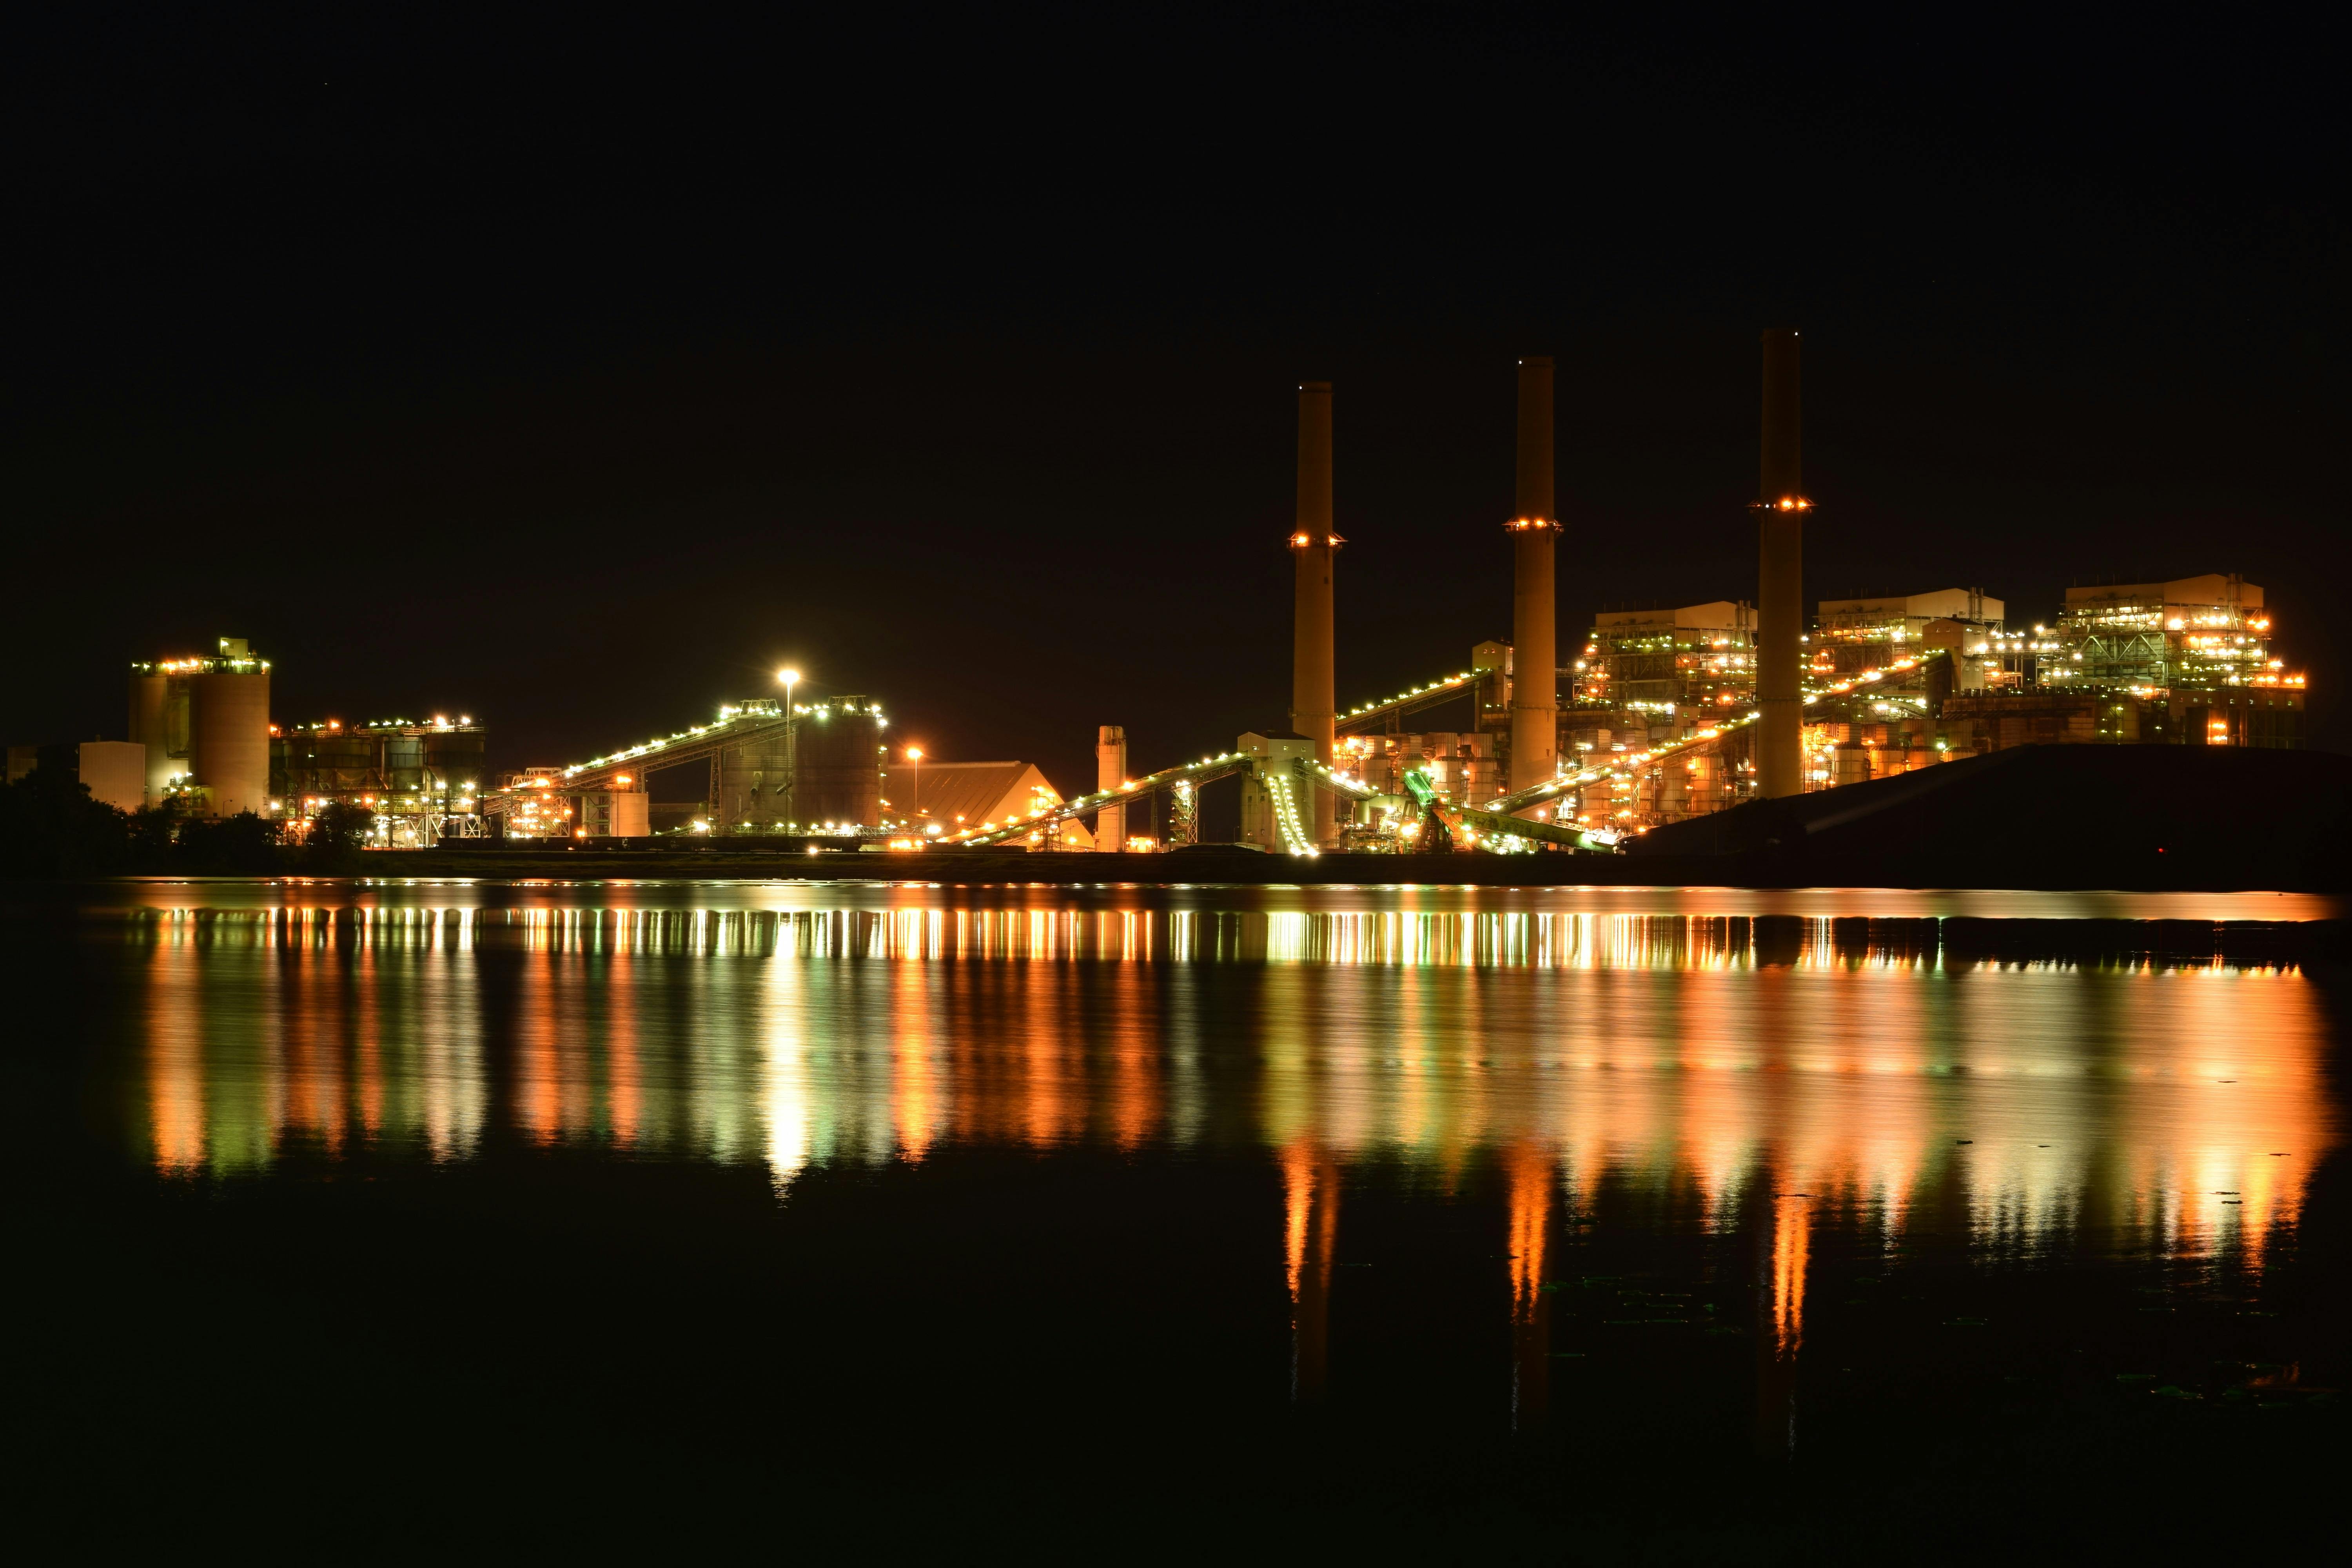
1534	528
1110	773
1780	508
1314	704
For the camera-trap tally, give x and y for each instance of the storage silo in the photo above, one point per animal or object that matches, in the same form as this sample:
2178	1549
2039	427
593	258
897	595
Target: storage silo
151	696
837	776
228	741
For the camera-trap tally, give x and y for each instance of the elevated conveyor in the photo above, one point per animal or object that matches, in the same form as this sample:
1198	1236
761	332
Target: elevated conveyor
1444	689
1567	783
1470	828
696	744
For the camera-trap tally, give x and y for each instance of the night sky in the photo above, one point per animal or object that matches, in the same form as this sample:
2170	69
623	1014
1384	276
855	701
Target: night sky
576	375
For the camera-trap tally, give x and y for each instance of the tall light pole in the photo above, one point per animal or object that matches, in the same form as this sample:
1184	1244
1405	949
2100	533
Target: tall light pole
790	678
914	756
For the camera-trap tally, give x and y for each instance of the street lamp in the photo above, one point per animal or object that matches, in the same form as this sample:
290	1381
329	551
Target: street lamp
914	777
790	678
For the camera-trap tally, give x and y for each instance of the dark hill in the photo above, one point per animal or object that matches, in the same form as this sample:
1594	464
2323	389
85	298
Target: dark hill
2050	817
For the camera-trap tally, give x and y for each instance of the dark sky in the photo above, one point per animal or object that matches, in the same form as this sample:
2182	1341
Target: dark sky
575	375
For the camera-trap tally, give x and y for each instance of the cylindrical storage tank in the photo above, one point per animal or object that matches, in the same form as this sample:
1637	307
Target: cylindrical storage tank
454	761
149	693
404	763
344	761
228	741
754	781
838	773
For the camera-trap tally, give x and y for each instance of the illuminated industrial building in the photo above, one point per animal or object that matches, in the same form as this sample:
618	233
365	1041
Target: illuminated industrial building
421	781
1854	635
1662	671
933	799
1665	714
2194	634
1461	764
204	723
2186	662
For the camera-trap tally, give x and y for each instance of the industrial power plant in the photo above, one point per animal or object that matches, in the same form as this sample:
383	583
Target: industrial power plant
1655	716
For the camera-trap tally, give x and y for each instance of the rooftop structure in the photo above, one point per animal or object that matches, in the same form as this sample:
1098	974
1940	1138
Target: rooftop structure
1904	618
2193	633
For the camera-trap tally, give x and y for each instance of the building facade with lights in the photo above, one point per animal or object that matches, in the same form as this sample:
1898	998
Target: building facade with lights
421	780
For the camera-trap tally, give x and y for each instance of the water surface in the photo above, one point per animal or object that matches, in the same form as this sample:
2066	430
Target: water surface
1620	1220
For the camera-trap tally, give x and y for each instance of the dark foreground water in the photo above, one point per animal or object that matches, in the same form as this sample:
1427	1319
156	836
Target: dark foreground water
1608	1224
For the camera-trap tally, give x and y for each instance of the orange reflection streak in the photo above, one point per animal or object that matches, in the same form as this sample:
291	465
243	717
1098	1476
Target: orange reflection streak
539	1091
367	1009
1531	1177
175	1075
1310	1186
1050	1113
915	1112
1792	1241
623	1076
311	1097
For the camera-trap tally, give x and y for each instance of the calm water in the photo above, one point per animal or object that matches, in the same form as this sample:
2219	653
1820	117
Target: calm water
1625	1222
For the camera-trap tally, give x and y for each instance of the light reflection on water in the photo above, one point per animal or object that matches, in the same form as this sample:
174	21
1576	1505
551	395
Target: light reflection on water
1855	1071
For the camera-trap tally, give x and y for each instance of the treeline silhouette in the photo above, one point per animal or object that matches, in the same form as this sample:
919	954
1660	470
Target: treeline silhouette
51	827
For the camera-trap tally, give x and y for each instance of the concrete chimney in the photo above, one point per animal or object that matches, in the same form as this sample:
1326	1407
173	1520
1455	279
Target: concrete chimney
1534	529
1780	508
1111	771
1314	704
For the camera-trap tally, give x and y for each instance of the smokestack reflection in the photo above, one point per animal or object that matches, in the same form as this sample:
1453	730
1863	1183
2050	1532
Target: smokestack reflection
1311	1202
1532	1174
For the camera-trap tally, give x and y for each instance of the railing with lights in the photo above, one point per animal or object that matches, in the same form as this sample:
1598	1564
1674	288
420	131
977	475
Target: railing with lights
1444	689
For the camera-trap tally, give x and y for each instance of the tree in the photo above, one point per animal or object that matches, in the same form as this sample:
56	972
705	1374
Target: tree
49	827
338	833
